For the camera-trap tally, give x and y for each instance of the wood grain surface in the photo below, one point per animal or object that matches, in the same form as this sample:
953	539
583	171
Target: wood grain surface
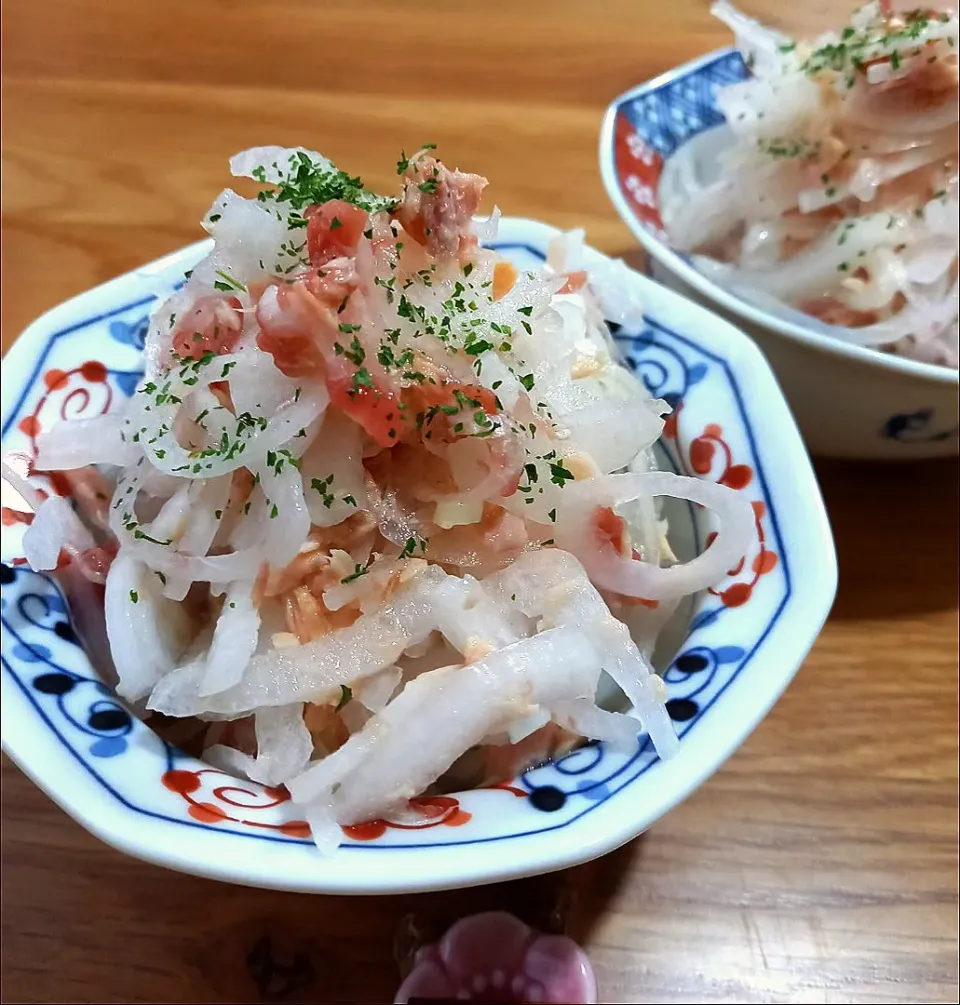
819	865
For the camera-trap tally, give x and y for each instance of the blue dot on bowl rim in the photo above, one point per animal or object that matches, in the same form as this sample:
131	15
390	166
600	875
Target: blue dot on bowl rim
127	382
33	653
55	603
596	791
108	746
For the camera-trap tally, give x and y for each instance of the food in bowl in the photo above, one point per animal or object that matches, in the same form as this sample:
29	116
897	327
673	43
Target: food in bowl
834	186
367	522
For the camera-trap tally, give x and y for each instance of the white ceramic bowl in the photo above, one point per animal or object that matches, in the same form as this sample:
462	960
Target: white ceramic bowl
740	648
849	401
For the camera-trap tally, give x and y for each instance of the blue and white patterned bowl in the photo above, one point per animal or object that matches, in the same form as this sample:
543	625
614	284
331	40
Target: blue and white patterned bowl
743	643
849	401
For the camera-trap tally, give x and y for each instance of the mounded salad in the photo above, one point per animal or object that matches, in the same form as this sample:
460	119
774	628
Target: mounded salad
838	191
365	523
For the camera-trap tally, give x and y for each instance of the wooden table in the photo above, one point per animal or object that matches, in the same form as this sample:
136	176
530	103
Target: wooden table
820	865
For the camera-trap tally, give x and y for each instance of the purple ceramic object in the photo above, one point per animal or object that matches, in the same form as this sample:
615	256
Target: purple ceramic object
494	957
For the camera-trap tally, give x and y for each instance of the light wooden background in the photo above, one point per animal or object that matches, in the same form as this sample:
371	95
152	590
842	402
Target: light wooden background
819	865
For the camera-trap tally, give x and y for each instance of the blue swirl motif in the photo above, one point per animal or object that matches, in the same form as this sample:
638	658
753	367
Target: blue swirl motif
590	771
131	333
663	370
86	703
914	427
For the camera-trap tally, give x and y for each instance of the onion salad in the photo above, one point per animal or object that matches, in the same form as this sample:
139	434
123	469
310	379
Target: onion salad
365	521
836	190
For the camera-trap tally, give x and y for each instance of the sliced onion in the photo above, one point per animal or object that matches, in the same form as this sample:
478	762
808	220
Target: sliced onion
486	230
430	601
148	633
55	527
77	443
234	640
464	704
276	163
584	718
921	319
284	745
611	571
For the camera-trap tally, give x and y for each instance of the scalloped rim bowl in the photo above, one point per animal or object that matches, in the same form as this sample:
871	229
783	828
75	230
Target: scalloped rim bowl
744	642
641	129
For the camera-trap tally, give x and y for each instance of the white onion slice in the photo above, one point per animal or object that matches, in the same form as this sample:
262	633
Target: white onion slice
55	526
234	640
103	439
611	571
464	704
148	633
284	745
